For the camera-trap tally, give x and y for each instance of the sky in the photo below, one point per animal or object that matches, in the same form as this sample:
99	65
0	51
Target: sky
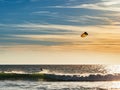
48	31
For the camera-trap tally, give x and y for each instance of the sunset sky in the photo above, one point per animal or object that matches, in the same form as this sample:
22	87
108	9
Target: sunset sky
48	31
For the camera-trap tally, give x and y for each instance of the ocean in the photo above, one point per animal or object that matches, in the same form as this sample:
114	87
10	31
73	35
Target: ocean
57	69
41	85
81	77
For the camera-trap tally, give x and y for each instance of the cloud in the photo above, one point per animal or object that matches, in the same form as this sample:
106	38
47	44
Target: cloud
22	40
41	12
101	38
71	28
109	43
46	13
99	19
57	35
91	20
105	5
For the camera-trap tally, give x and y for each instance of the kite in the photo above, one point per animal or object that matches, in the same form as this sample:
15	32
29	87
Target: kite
84	34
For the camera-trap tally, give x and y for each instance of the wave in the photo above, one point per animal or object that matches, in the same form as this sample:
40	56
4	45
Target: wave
41	85
59	69
17	72
54	77
47	71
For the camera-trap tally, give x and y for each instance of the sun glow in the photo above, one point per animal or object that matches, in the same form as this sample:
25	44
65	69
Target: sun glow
113	69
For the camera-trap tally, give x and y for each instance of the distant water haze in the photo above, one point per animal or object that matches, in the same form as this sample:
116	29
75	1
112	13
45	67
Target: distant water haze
62	69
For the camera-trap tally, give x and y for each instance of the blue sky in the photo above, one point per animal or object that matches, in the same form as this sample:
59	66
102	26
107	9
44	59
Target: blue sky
45	11
57	25
51	12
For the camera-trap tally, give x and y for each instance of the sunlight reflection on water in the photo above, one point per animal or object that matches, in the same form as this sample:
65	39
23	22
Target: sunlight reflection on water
113	68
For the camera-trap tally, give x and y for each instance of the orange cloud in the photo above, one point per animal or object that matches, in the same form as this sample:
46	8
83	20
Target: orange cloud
109	43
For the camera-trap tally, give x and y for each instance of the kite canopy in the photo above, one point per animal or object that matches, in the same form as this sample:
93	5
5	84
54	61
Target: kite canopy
84	34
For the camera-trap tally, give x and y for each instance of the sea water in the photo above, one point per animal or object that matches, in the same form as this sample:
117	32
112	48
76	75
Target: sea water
42	85
83	70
